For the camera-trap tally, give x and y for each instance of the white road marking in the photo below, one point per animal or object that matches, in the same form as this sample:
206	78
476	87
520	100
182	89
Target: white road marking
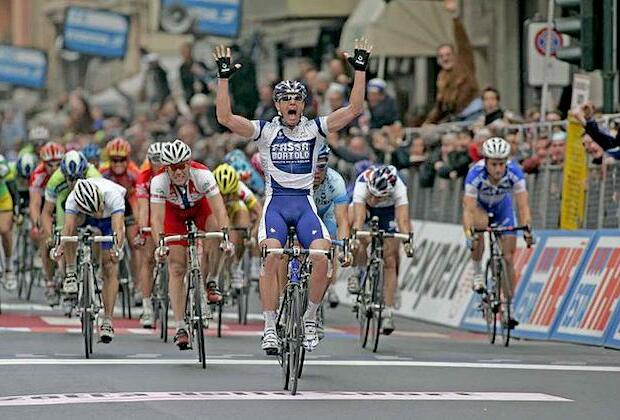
420	334
116	397
61	320
140	331
15	329
340	363
144	355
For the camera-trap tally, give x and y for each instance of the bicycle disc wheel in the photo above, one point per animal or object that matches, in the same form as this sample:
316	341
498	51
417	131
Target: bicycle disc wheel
487	310
199	330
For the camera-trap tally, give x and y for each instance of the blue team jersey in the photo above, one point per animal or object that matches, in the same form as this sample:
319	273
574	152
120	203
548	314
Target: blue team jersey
329	194
491	196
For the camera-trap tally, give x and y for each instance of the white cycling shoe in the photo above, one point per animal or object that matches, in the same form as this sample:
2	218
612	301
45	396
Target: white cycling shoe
311	336
478	283
270	343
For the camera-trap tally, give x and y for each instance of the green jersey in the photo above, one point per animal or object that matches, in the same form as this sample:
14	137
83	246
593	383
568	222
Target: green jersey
57	190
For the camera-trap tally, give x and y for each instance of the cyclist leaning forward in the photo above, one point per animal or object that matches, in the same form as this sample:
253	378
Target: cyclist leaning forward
289	146
380	192
185	190
488	188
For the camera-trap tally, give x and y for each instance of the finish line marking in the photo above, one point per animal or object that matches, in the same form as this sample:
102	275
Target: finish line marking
116	397
341	363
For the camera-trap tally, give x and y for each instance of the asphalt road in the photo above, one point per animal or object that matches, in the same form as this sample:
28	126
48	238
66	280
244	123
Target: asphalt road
421	371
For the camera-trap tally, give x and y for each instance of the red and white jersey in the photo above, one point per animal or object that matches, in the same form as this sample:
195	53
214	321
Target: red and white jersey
143	183
38	179
201	184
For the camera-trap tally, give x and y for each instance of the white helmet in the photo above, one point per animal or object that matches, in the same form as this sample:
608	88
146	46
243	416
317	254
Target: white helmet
39	133
154	152
88	196
175	152
496	148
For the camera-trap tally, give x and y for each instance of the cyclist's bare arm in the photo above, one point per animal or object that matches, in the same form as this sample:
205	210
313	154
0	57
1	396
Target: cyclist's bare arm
469	208
255	214
402	218
341	212
523	207
219	210
118	226
47	217
69	229
143	212
35	206
157	220
235	123
339	119
359	215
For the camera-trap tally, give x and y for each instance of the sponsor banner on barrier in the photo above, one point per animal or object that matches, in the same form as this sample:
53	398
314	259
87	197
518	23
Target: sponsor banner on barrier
473	320
590	306
547	282
435	285
613	339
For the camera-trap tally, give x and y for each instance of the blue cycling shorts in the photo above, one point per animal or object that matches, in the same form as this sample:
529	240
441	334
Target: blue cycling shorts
104	225
386	215
503	214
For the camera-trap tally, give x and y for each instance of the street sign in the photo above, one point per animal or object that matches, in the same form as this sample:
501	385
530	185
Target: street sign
558	72
96	32
25	67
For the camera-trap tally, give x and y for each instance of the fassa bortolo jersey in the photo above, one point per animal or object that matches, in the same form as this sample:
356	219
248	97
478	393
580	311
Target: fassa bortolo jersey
289	156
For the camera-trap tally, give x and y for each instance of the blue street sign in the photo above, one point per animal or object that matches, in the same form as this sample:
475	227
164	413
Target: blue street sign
23	66
96	32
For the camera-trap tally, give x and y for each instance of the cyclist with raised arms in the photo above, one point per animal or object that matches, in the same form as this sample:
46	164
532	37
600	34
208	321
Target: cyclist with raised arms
98	203
330	197
50	154
488	189
380	192
152	167
289	146
243	208
73	166
185	190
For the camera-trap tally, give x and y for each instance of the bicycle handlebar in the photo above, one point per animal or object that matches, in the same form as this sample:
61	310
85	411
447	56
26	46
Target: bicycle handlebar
369	233
197	235
502	229
145	229
95	239
296	251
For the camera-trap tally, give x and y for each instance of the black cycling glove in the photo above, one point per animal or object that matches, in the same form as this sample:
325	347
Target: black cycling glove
224	69
360	59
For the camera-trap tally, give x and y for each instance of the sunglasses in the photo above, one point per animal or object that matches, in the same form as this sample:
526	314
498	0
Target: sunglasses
118	160
290	98
52	163
321	165
178	166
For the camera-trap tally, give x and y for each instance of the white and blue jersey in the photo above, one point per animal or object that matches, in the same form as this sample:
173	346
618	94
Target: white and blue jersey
331	193
288	157
493	198
385	209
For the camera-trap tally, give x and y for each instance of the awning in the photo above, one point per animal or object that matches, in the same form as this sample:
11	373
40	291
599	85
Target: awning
401	28
266	10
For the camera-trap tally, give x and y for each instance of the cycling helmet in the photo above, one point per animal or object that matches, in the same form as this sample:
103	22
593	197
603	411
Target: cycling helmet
74	165
324	151
289	87
154	152
39	133
118	147
175	152
361	166
382	180
51	151
256	163
26	164
243	168
227	179
496	148
88	196
235	154
91	151
4	167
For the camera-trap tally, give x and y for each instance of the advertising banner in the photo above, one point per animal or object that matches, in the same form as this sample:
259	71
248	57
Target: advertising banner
590	305
575	178
25	67
212	17
523	257
548	281
613	338
96	32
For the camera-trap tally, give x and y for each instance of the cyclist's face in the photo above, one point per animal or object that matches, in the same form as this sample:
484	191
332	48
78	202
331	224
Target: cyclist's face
496	168
51	166
319	174
179	173
373	200
291	107
118	165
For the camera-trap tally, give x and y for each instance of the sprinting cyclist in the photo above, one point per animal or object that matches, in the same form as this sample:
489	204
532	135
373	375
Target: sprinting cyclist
380	192
98	203
50	155
147	245
6	224
243	210
488	189
330	197
289	147
185	190
18	180
73	166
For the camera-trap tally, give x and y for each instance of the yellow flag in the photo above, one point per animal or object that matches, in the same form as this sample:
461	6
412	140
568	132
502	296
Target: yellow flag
575	178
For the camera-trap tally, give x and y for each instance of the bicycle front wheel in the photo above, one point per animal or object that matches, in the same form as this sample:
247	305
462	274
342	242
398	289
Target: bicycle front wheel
489	298
504	307
198	322
86	315
377	305
295	338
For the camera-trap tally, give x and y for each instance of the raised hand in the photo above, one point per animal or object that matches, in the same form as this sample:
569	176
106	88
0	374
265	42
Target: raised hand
223	58
361	55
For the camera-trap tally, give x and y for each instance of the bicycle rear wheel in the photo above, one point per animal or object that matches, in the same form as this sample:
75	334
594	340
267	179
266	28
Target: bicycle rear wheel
199	325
